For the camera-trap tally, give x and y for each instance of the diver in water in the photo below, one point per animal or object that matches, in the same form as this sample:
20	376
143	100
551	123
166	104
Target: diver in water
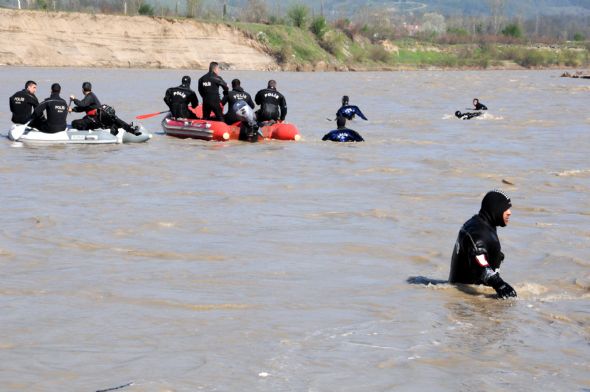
342	133
477	254
478	105
349	111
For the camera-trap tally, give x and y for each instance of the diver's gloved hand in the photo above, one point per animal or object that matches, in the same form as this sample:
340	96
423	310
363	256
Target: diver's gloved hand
503	289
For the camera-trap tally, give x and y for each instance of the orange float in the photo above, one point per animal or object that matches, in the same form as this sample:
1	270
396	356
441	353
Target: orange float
220	131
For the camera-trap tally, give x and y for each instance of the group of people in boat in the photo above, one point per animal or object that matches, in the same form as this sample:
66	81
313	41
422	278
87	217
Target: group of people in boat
272	104
50	116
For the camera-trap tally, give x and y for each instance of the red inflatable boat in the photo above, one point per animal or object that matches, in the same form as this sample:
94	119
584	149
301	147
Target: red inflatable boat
220	131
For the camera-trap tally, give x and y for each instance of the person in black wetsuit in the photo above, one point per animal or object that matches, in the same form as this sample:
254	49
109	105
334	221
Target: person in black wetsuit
56	112
236	94
478	105
273	106
349	111
88	104
23	103
209	85
178	99
477	254
342	134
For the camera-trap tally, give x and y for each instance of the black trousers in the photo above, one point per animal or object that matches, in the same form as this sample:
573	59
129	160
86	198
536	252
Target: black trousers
86	123
210	105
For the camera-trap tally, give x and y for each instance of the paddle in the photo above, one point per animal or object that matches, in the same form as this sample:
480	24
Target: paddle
18	131
150	115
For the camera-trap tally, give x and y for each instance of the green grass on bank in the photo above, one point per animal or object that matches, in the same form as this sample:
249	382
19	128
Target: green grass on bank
292	46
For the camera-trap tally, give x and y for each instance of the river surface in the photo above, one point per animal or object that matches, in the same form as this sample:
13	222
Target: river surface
184	265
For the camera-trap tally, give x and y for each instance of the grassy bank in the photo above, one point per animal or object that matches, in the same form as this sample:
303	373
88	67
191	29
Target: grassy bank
300	49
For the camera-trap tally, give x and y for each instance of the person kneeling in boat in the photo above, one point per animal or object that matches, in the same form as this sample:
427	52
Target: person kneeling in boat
106	118
178	99
88	104
349	111
23	104
477	254
249	129
236	94
56	112
273	106
342	133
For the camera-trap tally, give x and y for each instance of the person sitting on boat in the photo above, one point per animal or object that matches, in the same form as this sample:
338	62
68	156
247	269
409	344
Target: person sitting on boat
178	99
273	106
88	104
478	105
349	111
249	128
56	112
209	85
236	94
342	133
107	118
23	103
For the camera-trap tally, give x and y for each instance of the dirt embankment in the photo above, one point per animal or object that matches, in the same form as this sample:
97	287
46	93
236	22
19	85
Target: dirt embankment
37	38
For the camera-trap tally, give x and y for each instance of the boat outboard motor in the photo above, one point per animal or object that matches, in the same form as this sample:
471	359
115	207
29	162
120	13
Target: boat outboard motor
249	129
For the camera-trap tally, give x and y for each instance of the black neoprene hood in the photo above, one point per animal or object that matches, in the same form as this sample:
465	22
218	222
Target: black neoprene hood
493	205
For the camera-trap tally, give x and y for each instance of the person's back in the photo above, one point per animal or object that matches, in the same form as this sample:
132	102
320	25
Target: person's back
209	85
477	254
342	133
179	98
273	105
235	95
23	103
56	112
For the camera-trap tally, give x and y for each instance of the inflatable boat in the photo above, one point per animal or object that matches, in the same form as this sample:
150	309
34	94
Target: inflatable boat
220	131
26	134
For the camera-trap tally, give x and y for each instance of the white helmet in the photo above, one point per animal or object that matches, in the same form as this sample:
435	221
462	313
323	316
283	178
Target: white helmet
244	112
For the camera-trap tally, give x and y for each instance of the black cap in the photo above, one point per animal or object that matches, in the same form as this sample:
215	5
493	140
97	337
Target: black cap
86	86
186	80
493	206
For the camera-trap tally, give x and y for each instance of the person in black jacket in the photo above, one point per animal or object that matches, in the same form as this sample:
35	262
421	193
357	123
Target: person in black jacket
107	119
478	105
178	99
236	94
477	254
342	133
88	104
209	85
23	103
273	105
56	112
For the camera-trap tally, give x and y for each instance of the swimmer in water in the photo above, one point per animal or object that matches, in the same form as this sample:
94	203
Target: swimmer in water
342	133
477	254
349	111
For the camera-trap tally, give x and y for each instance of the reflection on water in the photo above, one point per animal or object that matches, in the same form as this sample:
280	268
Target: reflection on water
182	265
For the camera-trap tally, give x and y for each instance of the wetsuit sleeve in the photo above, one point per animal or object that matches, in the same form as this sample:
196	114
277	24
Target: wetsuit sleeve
38	112
201	88
357	136
223	85
224	99
88	103
193	100
358	112
258	98
283	105
167	97
484	107
249	102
